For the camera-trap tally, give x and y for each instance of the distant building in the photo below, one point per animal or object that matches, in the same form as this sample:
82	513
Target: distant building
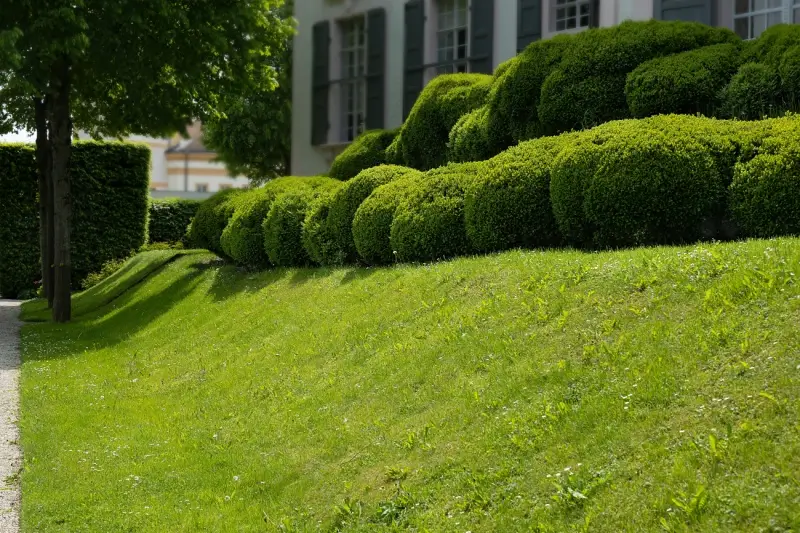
186	168
360	64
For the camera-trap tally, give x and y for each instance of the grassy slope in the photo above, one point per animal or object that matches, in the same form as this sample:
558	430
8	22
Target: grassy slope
526	391
133	272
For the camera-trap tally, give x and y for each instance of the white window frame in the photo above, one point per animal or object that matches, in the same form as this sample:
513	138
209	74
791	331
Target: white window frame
564	21
453	18
744	23
353	76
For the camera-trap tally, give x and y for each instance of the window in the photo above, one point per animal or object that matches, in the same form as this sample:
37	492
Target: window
225	186
201	187
354	84
452	34
571	14
752	17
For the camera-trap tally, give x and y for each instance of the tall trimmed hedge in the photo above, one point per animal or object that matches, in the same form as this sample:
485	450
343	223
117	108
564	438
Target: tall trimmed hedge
169	219
19	221
110	190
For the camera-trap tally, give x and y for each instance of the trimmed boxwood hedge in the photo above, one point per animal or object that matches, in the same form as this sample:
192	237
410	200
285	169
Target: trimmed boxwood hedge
753	93
765	195
509	206
283	227
367	151
110	189
169	219
588	87
469	138
243	238
687	83
637	189
19	220
422	142
514	97
327	232
210	220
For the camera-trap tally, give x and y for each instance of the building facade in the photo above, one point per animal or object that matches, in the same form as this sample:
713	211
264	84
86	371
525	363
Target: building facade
360	64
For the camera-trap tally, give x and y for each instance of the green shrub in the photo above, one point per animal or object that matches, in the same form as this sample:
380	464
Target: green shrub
765	195
514	97
509	206
243	238
643	187
588	87
327	232
372	223
469	138
169	219
19	220
771	46
283	227
367	151
753	93
429	223
210	220
789	70
686	83
422	142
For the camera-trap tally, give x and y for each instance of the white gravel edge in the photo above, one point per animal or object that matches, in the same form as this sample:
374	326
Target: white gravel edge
10	454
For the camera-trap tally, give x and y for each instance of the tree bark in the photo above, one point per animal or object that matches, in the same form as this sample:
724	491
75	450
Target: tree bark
45	196
61	148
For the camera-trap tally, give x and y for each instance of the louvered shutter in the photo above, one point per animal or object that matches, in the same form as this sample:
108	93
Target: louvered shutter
414	60
376	68
529	22
481	55
320	82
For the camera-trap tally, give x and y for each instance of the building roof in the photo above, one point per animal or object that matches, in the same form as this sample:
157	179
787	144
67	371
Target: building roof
188	146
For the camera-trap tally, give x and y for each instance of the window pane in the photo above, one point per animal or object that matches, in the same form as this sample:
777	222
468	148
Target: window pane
797	16
742	27
571	23
742	6
462	52
774	18
758	23
561	13
561	25
775	4
462	37
584	21
571	11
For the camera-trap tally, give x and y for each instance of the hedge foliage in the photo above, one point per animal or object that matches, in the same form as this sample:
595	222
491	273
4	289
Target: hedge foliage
327	231
588	87
283	227
368	150
469	138
110	189
243	238
170	218
422	141
210	220
687	83
19	221
753	93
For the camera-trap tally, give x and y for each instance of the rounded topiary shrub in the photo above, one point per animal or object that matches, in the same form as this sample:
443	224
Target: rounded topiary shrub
686	83
643	188
243	237
509	206
765	195
368	150
372	223
469	138
753	93
422	141
210	220
328	232
514	97
588	87
429	224
283	227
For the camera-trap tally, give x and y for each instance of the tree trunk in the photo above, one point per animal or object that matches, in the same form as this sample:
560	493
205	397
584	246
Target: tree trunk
41	106
61	147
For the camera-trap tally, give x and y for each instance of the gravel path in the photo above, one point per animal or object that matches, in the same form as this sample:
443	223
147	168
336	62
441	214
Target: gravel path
10	456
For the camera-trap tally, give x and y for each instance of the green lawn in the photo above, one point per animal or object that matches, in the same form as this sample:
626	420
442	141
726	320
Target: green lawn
644	390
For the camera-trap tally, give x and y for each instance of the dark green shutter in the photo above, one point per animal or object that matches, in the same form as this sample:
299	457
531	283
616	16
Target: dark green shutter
376	67
529	23
689	10
414	61
320	82
594	14
481	56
